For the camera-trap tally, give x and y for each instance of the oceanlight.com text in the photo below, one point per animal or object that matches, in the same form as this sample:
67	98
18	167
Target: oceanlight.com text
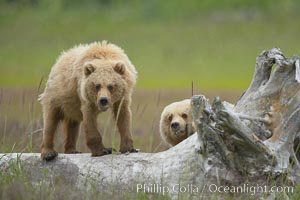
157	188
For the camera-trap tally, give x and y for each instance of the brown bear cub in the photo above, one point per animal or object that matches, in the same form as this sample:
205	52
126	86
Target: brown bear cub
176	122
85	81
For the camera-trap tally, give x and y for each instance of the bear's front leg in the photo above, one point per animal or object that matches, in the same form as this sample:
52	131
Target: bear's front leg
122	115
93	137
51	119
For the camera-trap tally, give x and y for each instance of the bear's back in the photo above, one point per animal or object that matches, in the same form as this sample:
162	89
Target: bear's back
67	73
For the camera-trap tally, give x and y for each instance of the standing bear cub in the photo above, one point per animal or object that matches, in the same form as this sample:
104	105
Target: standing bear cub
85	81
176	122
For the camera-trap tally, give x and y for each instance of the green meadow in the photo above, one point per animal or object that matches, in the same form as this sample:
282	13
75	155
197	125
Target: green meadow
171	43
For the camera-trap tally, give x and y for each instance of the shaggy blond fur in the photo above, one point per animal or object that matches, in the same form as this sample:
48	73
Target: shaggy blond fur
79	79
176	113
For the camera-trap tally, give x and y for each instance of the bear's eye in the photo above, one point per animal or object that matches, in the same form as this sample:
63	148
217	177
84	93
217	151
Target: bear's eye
98	87
184	116
170	117
110	88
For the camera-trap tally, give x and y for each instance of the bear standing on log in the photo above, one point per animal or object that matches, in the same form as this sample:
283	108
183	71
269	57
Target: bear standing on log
85	81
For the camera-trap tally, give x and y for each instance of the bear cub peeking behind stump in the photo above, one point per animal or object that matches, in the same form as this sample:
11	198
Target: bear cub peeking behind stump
176	122
85	81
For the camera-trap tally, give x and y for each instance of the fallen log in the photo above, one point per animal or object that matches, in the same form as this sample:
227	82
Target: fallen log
117	173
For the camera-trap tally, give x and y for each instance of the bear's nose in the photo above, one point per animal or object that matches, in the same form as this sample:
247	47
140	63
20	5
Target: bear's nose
103	101
175	125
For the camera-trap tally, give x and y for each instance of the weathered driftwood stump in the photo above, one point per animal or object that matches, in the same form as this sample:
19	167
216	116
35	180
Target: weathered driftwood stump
259	137
253	143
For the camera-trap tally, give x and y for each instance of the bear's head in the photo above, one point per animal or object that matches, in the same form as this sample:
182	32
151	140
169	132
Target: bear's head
104	83
178	119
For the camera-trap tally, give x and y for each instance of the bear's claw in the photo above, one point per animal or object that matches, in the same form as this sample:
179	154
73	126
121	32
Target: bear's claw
108	150
129	150
105	151
49	156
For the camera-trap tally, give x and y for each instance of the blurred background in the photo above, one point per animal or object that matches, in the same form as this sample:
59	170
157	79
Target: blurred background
171	43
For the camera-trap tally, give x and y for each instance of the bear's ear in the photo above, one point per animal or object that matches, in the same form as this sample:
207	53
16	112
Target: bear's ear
120	68
88	69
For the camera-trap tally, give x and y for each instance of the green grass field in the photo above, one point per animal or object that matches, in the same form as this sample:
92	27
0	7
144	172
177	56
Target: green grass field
206	43
171	43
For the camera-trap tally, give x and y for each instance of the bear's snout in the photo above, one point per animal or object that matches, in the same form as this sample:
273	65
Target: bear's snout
103	103
175	125
177	128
